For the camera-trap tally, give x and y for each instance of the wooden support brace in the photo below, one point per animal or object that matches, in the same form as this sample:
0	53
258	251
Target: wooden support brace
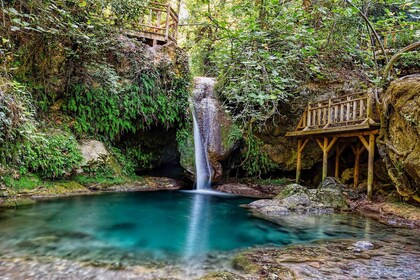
365	143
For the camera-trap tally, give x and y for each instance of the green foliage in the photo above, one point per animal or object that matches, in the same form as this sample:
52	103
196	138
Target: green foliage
16	110
255	160
263	51
27	182
50	154
99	179
108	108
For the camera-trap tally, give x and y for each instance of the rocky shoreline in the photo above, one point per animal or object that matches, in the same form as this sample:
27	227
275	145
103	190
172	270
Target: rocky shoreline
70	188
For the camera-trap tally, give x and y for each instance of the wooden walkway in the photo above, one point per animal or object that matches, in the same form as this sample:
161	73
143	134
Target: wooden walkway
159	25
342	122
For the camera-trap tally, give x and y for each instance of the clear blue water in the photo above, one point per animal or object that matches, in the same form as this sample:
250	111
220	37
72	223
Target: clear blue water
157	226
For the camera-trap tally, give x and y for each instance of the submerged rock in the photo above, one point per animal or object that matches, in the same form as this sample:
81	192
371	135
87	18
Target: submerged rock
338	259
360	246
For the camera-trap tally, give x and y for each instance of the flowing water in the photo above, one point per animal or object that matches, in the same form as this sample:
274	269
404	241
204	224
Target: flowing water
203	112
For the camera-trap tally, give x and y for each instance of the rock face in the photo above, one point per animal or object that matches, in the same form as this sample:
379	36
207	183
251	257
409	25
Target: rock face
327	198
399	141
93	152
218	131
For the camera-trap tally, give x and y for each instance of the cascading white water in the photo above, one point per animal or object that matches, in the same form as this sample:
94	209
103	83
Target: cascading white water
203	118
202	165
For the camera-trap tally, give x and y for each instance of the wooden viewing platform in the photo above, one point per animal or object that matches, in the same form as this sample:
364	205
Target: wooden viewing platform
159	25
342	121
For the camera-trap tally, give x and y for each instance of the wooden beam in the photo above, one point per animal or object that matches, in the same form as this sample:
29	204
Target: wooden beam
320	144
365	143
332	144
304	145
371	151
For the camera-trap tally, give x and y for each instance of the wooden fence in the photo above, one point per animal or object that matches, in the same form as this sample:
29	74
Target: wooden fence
346	110
161	20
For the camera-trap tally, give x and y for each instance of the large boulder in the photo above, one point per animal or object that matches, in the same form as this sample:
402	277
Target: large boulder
329	197
399	141
93	152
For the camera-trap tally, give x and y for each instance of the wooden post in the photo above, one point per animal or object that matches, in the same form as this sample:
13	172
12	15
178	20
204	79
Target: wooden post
369	107
299	161
371	151
168	16
338	153
301	146
337	161
357	152
325	147
309	115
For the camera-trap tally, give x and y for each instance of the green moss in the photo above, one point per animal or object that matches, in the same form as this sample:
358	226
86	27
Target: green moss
221	276
243	263
290	190
27	182
185	140
101	179
230	134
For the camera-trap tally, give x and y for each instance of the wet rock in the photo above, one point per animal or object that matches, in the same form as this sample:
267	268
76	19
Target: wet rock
250	190
329	197
394	259
222	276
360	246
219	133
392	213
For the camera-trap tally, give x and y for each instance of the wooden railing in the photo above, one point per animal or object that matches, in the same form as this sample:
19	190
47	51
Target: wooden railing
160	19
347	110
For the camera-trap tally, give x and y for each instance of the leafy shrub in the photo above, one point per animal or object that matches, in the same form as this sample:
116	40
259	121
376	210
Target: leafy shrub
16	110
52	155
255	161
108	108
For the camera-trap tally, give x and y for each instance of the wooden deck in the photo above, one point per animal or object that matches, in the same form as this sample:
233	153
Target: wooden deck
341	122
159	25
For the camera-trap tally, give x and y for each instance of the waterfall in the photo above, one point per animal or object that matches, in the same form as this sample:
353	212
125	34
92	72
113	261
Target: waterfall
202	165
203	127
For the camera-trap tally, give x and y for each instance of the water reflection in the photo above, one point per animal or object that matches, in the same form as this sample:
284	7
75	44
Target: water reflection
198	226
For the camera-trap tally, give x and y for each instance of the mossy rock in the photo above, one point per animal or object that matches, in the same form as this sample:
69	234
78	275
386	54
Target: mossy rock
290	190
243	263
16	202
62	188
221	276
185	139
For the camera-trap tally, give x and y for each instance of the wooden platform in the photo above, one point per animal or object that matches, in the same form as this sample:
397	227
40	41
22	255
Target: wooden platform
341	122
159	25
